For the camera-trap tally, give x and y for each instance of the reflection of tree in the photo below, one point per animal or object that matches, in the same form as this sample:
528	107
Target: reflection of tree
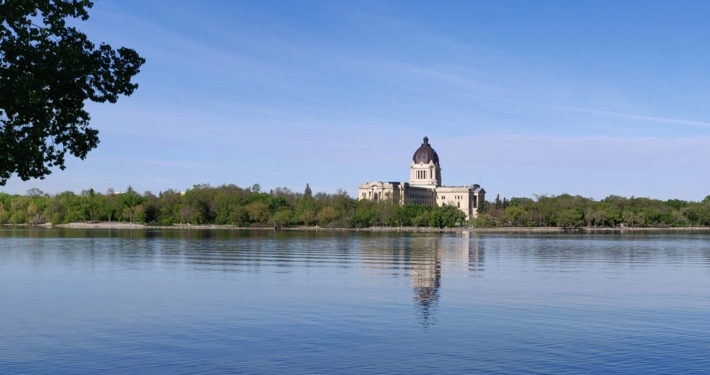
425	273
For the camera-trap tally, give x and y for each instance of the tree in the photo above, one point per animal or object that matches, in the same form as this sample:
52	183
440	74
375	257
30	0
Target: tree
281	218
599	217
517	215
258	212
589	216
422	219
484	221
34	192
569	218
628	217
130	198
239	216
306	207
134	214
366	214
404	215
185	214
94	204
445	216
47	71
277	204
307	216
327	215
4	214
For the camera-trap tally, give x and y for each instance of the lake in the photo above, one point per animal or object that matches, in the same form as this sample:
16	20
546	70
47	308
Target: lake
265	302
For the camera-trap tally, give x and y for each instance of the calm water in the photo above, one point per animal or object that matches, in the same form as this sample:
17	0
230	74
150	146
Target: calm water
89	302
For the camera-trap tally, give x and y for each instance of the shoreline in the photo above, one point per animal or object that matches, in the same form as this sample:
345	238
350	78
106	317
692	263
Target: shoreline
135	226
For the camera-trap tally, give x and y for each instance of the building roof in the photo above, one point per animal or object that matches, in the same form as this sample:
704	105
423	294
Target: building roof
425	154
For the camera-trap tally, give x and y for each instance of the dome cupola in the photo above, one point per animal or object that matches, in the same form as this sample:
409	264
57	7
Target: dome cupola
425	154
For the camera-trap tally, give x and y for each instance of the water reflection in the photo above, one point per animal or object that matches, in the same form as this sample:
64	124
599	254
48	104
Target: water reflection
419	259
422	260
425	274
471	253
340	302
421	263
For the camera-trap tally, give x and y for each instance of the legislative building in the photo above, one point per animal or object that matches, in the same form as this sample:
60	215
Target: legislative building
424	186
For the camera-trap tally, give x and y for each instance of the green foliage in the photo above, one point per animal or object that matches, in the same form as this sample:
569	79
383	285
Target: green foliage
281	218
233	205
366	214
484	220
276	204
327	215
568	218
258	212
405	215
48	70
572	211
446	216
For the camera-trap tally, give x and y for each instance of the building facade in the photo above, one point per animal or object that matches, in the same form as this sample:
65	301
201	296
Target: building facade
425	187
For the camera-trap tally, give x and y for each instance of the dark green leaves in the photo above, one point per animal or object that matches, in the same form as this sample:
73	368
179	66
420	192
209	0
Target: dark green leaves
47	72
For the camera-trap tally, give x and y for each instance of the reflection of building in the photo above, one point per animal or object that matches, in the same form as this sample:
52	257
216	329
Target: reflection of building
422	260
425	186
413	257
474	254
425	274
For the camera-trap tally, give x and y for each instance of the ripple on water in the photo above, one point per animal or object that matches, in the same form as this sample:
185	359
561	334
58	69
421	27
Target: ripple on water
80	302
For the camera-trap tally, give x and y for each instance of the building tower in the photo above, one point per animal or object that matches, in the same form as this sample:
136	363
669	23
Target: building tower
425	170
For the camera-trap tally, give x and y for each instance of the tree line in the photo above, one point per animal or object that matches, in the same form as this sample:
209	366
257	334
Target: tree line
575	211
222	205
249	206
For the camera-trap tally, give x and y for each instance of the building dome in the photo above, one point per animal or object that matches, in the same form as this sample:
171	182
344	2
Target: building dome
425	154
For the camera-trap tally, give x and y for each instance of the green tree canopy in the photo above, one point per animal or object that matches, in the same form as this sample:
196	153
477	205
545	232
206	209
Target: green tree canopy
47	71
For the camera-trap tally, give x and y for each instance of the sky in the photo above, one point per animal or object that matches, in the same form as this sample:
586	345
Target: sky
590	98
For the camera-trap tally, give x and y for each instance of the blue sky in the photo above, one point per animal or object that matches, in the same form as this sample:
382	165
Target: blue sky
590	98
